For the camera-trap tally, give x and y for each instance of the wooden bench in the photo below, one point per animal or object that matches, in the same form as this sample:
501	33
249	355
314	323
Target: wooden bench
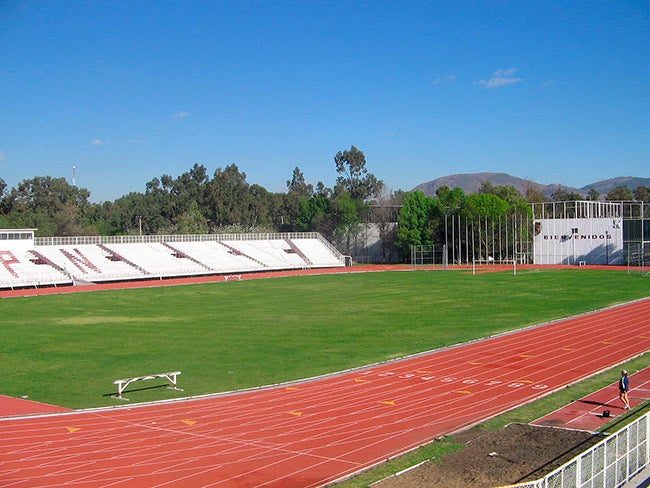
122	384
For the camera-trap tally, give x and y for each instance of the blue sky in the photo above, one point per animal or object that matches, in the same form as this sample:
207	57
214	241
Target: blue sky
126	91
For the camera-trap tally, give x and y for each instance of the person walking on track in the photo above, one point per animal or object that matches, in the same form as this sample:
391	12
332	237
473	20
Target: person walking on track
623	388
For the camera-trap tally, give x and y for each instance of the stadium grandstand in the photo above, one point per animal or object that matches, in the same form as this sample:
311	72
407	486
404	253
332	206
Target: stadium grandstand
27	261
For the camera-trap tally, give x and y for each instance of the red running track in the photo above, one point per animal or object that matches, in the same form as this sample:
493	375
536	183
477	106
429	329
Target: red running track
587	413
315	432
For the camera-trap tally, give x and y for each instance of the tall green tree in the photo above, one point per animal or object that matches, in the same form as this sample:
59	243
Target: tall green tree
191	221
3	203
298	191
189	188
534	195
509	193
313	214
298	186
486	205
620	194
565	195
354	177
137	213
50	205
227	197
451	201
261	208
593	195
642	193
415	222
506	192
161	205
347	215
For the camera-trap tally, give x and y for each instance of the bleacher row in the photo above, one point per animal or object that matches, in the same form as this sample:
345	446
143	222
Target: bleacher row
94	260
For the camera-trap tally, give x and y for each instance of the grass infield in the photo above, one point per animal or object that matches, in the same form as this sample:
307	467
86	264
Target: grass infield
68	349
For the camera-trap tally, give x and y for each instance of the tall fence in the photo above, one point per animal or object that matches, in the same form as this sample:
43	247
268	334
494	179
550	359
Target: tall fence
465	240
609	464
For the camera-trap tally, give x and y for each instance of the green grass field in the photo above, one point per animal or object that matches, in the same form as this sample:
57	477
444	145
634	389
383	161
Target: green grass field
68	349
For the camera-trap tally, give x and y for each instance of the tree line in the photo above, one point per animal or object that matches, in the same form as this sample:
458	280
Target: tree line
197	203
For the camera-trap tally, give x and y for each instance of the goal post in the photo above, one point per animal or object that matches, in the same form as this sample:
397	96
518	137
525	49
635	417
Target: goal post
423	255
638	258
492	265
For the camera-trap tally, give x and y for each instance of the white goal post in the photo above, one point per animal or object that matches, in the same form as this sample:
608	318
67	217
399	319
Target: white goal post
491	264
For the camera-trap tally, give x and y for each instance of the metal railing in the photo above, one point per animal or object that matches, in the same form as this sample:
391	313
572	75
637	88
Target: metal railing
147	239
609	464
142	239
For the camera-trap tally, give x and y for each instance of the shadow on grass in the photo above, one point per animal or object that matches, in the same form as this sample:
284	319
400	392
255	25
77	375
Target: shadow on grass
131	390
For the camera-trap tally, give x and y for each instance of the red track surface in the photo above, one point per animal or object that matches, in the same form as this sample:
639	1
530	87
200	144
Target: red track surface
315	432
120	285
23	292
587	413
15	406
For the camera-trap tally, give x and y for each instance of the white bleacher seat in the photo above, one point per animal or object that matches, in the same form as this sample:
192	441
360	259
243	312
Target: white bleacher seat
89	262
58	262
317	252
20	269
156	259
219	258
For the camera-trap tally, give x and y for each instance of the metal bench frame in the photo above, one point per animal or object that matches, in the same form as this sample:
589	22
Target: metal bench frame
122	384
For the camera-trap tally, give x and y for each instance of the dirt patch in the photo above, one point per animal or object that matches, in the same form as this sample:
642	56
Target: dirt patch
513	454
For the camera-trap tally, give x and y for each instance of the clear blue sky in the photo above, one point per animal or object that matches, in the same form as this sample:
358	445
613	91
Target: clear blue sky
126	91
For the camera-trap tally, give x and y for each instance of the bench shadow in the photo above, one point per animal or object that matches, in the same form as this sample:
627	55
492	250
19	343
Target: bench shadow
130	390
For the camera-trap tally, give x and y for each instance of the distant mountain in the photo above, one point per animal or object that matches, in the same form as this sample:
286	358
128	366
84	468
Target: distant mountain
471	183
605	186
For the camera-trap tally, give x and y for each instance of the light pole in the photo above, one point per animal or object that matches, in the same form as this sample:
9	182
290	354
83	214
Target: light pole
446	255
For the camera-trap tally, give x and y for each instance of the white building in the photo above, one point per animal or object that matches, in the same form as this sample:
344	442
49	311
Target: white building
587	232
